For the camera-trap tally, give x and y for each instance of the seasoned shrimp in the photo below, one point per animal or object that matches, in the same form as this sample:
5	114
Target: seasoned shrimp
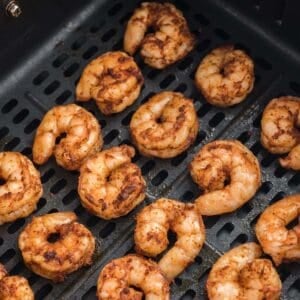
241	275
110	185
276	240
83	136
165	126
22	189
119	277
151	239
225	76
280	132
55	245
113	80
171	41
220	162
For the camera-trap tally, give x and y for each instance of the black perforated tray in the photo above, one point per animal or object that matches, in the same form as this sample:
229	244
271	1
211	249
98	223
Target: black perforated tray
47	76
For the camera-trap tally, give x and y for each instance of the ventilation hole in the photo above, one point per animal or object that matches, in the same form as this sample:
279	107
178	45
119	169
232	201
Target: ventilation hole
295	86
284	272
102	123
108	35
7	256
52	87
79	210
15	226
254	221
127	119
71	70
294	290
244	210
188	295
201	19
199	260
58	186
52	211
244	137
44	291
182	87
211	221
147	167
200	137
153	73
267	161
3	132
167	81
115	9
187	196
60	60
92	221
111	136
203	45
277	197
295	180
159	178
27	151
42	202
63	97
178	281
216	119
79	43
256	148
1	241
39	79
90	294
222	34
224	232
90	52
279	172
9	106
263	64
17	269
12	144
176	161
266	187
33	279
204	109
240	239
185	63
32	126
70	197
19	117
47	175
107	230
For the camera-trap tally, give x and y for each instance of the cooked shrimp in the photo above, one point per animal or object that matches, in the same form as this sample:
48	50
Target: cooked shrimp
241	275
55	245
153	224
83	136
165	126
113	80
220	162
225	76
119	277
280	132
22	189
110	185
276	240
171	41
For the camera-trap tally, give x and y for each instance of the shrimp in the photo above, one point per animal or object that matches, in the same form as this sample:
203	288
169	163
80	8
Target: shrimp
165	126
110	185
220	162
280	132
119	277
22	189
225	76
241	275
171	41
83	136
276	240
150	236
113	80
55	245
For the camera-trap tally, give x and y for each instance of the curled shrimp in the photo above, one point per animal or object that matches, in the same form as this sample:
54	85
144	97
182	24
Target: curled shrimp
83	136
119	277
240	274
153	224
110	185
113	80
55	245
22	189
220	162
276	240
171	41
165	126
280	132
225	76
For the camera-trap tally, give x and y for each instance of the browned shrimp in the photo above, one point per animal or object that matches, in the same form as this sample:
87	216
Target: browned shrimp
119	277
113	80
171	41
153	224
280	132
22	189
55	245
276	240
225	161
83	136
225	76
165	126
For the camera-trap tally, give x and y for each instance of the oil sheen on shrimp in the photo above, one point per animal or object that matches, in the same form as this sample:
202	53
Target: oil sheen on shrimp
113	80
55	245
110	185
221	162
117	279
153	224
83	136
22	188
280	132
165	126
171	40
282	244
225	76
240	274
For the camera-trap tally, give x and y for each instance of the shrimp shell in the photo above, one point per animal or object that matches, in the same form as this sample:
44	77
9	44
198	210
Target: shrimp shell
117	277
165	126
23	188
221	161
153	224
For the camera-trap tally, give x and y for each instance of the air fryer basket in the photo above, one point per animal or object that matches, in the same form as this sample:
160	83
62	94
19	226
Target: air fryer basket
48	76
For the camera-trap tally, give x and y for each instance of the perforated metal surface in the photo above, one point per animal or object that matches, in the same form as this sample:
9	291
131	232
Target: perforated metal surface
49	78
